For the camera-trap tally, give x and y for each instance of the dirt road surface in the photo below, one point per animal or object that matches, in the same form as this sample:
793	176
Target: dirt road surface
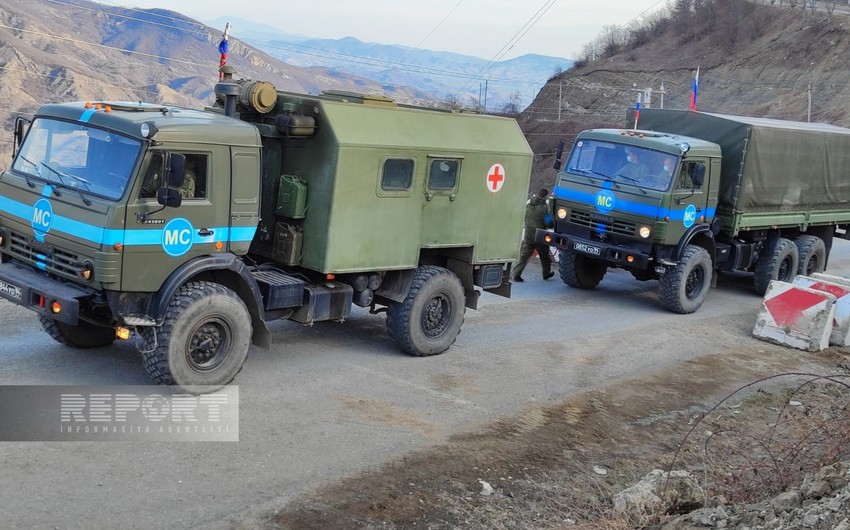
334	416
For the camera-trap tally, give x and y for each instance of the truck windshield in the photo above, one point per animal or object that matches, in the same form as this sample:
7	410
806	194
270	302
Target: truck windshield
626	164
74	155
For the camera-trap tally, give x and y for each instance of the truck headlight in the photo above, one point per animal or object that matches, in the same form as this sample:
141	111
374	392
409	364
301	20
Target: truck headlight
87	272
561	213
645	231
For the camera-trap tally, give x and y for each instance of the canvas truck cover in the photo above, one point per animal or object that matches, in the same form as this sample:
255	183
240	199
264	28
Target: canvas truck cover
768	164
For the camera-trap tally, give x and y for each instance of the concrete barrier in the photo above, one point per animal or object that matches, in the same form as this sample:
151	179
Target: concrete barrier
840	288
795	316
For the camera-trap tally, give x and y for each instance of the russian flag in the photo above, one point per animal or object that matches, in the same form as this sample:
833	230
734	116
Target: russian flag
695	91
637	112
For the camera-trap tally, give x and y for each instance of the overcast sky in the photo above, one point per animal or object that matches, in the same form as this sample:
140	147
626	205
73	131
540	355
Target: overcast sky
484	28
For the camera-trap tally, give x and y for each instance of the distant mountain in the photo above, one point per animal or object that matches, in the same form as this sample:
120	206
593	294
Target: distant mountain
81	50
442	75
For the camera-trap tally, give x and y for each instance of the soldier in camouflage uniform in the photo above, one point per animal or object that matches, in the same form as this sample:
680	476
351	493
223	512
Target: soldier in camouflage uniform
536	216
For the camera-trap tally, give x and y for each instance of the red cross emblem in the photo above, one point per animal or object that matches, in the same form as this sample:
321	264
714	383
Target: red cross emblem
496	177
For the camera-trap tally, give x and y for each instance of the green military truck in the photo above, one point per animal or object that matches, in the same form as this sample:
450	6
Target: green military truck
689	194
193	228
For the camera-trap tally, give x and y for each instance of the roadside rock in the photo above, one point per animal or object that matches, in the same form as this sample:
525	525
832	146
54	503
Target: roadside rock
660	492
821	503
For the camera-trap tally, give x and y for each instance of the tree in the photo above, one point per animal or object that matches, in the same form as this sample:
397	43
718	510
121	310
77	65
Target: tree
511	107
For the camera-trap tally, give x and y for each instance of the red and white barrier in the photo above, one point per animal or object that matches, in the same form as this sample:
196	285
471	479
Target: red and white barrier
796	316
840	288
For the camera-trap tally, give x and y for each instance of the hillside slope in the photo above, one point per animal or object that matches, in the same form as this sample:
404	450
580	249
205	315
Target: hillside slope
753	59
64	50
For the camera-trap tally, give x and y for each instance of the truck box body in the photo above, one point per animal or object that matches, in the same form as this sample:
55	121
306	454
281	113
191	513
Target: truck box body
772	171
365	227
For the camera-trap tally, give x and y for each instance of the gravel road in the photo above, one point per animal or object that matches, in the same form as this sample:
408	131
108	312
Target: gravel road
334	399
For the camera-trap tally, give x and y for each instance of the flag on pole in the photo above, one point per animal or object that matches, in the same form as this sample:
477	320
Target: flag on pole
223	48
637	112
695	91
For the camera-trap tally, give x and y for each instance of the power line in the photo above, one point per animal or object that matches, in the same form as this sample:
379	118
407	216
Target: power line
200	31
440	23
512	41
98	45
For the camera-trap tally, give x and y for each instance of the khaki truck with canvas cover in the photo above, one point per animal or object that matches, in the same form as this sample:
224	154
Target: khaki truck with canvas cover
193	228
688	194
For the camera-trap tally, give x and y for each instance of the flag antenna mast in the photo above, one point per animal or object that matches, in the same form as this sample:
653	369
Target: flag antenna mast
223	46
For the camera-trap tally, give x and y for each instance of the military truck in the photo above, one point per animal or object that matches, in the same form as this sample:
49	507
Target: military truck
689	194
191	229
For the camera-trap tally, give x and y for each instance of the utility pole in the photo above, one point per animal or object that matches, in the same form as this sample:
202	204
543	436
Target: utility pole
645	95
560	93
809	114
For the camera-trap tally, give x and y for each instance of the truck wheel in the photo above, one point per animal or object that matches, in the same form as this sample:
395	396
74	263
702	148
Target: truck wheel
83	335
428	321
683	288
204	340
579	271
812	254
780	265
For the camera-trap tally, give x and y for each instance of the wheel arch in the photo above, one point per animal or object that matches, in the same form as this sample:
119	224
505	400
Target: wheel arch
226	270
700	235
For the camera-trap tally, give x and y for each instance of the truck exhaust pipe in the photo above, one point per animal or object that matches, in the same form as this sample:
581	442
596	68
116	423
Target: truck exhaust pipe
228	91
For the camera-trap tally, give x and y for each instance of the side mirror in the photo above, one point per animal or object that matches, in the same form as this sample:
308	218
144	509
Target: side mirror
20	123
699	175
169	197
559	152
176	170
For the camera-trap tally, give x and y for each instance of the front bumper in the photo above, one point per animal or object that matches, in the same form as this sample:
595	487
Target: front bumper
613	255
36	291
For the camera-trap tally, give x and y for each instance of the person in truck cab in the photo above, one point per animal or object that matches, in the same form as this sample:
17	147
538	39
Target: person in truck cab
635	167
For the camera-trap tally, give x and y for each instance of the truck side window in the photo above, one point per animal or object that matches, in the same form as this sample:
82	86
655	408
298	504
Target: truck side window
195	184
442	174
153	176
686	181
397	174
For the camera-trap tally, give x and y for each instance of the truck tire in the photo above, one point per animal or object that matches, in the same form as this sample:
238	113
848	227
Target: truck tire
82	336
428	321
204	340
781	264
812	254
683	288
579	271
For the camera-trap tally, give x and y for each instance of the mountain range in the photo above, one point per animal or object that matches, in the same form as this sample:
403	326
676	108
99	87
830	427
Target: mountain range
440	75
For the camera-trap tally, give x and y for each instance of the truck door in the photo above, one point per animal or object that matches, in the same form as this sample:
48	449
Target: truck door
690	197
442	178
157	239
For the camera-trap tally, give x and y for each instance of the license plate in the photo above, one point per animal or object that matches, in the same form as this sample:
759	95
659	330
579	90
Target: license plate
10	290
587	249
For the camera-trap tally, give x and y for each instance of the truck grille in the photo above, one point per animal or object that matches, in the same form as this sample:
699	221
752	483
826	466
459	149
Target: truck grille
44	256
600	223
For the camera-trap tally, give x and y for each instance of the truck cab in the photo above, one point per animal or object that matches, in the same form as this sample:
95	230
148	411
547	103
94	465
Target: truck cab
635	200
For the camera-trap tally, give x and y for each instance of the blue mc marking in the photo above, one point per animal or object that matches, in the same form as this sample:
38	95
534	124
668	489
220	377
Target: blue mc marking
177	237
42	215
690	216
605	201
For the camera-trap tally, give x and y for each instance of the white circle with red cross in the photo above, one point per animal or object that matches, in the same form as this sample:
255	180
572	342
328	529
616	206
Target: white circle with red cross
496	177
